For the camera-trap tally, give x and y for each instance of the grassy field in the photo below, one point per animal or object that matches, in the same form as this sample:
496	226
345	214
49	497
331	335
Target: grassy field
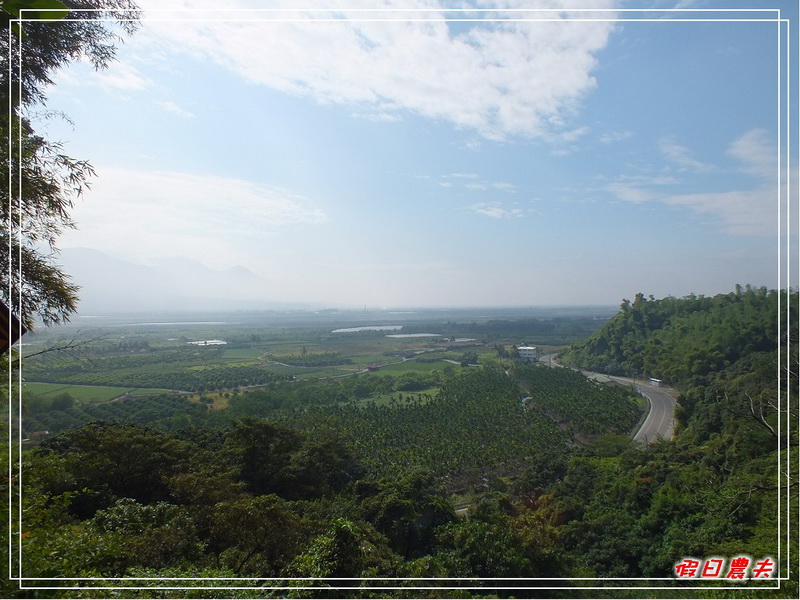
413	365
87	393
241	353
219	401
383	399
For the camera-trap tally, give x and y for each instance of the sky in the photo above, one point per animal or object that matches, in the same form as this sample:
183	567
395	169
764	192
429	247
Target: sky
421	157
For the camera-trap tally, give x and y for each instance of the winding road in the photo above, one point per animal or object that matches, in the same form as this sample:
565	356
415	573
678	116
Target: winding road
660	420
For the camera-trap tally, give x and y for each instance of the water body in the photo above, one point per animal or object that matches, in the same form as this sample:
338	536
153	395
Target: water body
414	335
181	323
369	328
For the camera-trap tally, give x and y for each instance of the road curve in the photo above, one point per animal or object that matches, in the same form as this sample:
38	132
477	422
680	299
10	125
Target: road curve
660	420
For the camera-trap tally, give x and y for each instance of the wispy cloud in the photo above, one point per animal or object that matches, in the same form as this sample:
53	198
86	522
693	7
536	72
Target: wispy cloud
496	210
504	186
377	117
639	188
757	153
630	192
500	80
474	183
145	213
123	78
680	156
173	108
751	211
748	211
612	137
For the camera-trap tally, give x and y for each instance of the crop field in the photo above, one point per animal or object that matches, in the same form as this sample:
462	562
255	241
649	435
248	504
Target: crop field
241	353
419	397
415	365
87	393
236	365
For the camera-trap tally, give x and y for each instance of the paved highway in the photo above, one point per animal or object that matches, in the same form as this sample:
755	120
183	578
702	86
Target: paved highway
660	421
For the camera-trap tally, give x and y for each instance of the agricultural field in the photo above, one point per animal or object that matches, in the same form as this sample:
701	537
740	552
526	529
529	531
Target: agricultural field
87	393
242	365
439	458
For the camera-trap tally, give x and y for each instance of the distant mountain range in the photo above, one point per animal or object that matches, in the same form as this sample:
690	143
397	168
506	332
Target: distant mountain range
111	285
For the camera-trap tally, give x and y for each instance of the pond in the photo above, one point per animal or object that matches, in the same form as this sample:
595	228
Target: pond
414	335
369	328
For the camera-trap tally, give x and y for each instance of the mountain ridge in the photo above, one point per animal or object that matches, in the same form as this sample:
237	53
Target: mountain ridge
111	284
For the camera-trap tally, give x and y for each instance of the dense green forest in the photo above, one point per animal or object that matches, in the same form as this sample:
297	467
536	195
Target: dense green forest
482	475
684	340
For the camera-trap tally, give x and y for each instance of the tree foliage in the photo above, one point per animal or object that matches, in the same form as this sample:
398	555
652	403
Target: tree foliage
265	499
42	181
681	340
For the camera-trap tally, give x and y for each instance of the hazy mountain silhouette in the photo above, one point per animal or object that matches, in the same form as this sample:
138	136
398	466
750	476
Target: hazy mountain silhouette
111	285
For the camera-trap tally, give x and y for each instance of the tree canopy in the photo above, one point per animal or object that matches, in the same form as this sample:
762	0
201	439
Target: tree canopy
683	340
518	475
42	181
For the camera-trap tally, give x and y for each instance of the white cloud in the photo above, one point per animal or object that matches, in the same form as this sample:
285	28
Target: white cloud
473	183
500	79
504	186
615	136
649	179
739	212
173	108
496	211
122	77
145	214
378	117
574	135
630	193
680	156
758	154
744	212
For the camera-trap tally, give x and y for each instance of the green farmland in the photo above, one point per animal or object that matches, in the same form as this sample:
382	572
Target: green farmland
87	393
414	457
227	368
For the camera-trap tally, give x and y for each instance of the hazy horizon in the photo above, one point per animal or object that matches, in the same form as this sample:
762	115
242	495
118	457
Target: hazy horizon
174	285
431	158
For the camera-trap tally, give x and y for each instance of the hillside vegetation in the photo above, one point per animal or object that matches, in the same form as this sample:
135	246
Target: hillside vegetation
716	488
683	340
487	475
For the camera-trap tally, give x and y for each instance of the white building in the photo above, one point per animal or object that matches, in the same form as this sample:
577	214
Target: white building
527	353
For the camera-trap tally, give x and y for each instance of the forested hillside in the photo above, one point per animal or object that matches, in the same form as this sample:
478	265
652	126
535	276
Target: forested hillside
716	489
681	340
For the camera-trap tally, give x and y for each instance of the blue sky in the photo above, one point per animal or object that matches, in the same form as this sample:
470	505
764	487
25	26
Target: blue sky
430	162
